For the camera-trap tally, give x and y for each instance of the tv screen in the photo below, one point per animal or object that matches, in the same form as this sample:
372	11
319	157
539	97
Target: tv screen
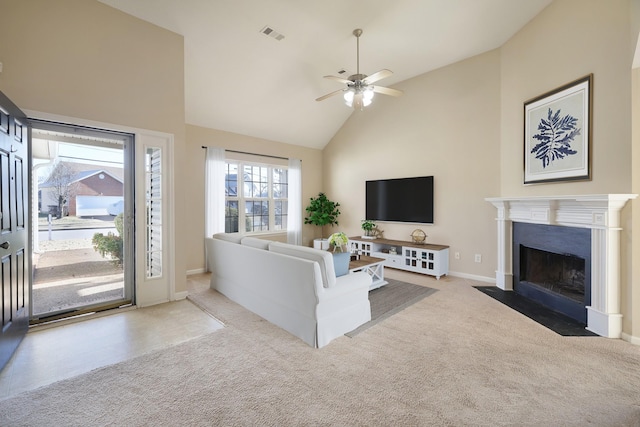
400	200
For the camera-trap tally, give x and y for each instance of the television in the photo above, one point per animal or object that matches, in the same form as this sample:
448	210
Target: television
400	200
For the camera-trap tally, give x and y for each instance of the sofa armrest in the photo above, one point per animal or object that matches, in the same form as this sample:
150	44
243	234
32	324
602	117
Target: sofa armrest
345	285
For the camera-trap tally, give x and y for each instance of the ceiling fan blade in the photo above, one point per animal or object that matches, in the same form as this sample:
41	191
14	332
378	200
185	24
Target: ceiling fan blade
387	91
329	95
377	76
338	79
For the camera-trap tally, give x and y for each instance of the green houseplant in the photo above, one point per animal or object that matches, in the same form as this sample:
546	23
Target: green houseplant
368	226
322	212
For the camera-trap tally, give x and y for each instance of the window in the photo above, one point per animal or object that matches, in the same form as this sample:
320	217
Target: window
256	197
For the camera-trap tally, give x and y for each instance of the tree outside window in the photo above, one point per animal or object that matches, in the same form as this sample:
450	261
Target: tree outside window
62	187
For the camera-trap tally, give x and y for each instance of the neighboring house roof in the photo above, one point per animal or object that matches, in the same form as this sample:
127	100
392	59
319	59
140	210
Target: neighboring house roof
82	176
84	171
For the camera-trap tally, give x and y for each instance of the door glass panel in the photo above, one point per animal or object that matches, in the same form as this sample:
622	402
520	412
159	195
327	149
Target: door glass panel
81	203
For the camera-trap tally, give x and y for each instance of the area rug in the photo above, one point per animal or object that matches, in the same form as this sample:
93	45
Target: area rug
391	299
558	323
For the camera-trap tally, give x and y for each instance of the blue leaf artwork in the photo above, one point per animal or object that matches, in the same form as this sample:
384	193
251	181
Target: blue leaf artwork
555	134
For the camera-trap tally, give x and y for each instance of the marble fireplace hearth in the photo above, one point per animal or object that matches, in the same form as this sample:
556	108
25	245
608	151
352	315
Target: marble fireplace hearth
599	213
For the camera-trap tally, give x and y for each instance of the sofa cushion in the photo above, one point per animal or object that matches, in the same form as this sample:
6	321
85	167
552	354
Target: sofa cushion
323	258
255	243
341	263
229	237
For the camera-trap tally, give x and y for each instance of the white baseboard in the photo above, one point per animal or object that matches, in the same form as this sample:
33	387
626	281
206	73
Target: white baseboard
473	277
196	271
630	338
180	295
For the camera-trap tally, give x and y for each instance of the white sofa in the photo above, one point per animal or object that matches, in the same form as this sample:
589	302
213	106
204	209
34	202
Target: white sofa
293	287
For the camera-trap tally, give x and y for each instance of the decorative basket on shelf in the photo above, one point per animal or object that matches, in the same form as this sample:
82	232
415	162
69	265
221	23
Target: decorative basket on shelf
418	236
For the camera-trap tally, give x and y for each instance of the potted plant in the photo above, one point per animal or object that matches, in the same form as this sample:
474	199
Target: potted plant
339	242
368	226
322	212
339	245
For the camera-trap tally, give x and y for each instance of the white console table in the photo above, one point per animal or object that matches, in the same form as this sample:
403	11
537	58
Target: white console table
419	258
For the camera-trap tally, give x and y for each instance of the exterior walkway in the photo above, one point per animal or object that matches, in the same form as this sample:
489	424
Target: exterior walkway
72	276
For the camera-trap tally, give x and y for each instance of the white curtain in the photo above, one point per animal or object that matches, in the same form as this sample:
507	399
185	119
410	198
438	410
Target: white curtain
294	213
214	191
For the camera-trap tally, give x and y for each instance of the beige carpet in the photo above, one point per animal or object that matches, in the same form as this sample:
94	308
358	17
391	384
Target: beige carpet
456	358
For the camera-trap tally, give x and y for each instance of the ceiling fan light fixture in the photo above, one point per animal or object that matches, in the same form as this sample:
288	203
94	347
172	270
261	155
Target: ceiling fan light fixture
348	96
358	97
368	94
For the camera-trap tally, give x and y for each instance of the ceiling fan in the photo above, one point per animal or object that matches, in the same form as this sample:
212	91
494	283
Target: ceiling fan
360	89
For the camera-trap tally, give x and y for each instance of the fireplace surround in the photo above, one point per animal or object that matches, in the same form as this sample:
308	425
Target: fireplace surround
601	215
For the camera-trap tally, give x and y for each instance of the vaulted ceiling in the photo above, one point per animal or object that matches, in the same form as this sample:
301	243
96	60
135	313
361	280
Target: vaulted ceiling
240	80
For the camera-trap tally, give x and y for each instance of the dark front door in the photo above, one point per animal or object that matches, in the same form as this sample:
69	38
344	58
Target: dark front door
14	253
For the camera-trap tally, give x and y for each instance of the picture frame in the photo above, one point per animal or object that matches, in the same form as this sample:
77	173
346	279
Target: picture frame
557	134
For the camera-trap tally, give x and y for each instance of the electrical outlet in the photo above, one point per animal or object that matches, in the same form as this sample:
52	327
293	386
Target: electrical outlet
457	255
478	258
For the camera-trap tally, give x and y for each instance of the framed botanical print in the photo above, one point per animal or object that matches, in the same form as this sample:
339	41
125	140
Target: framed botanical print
557	134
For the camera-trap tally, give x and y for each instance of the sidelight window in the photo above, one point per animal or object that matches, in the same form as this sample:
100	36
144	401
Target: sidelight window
153	175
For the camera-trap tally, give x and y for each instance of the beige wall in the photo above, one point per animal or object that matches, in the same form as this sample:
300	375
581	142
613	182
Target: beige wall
198	137
446	125
594	36
82	59
632	286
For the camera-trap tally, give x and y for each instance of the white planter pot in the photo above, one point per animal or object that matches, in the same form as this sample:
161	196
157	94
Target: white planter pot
322	244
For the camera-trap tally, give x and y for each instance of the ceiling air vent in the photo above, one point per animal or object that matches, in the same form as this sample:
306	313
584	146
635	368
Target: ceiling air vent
268	31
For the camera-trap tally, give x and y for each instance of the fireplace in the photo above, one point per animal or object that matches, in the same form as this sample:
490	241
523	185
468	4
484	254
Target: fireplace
552	266
558	274
596	215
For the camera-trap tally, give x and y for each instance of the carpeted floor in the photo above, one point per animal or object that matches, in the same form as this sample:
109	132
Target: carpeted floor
456	358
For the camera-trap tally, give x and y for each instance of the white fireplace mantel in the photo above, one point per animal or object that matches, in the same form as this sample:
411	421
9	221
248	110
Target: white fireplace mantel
601	214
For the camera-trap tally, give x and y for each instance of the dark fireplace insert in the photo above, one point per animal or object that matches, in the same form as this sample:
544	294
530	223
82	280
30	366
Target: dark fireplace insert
552	266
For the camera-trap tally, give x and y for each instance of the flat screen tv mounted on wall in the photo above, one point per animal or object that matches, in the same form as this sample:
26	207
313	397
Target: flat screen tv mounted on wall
400	200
